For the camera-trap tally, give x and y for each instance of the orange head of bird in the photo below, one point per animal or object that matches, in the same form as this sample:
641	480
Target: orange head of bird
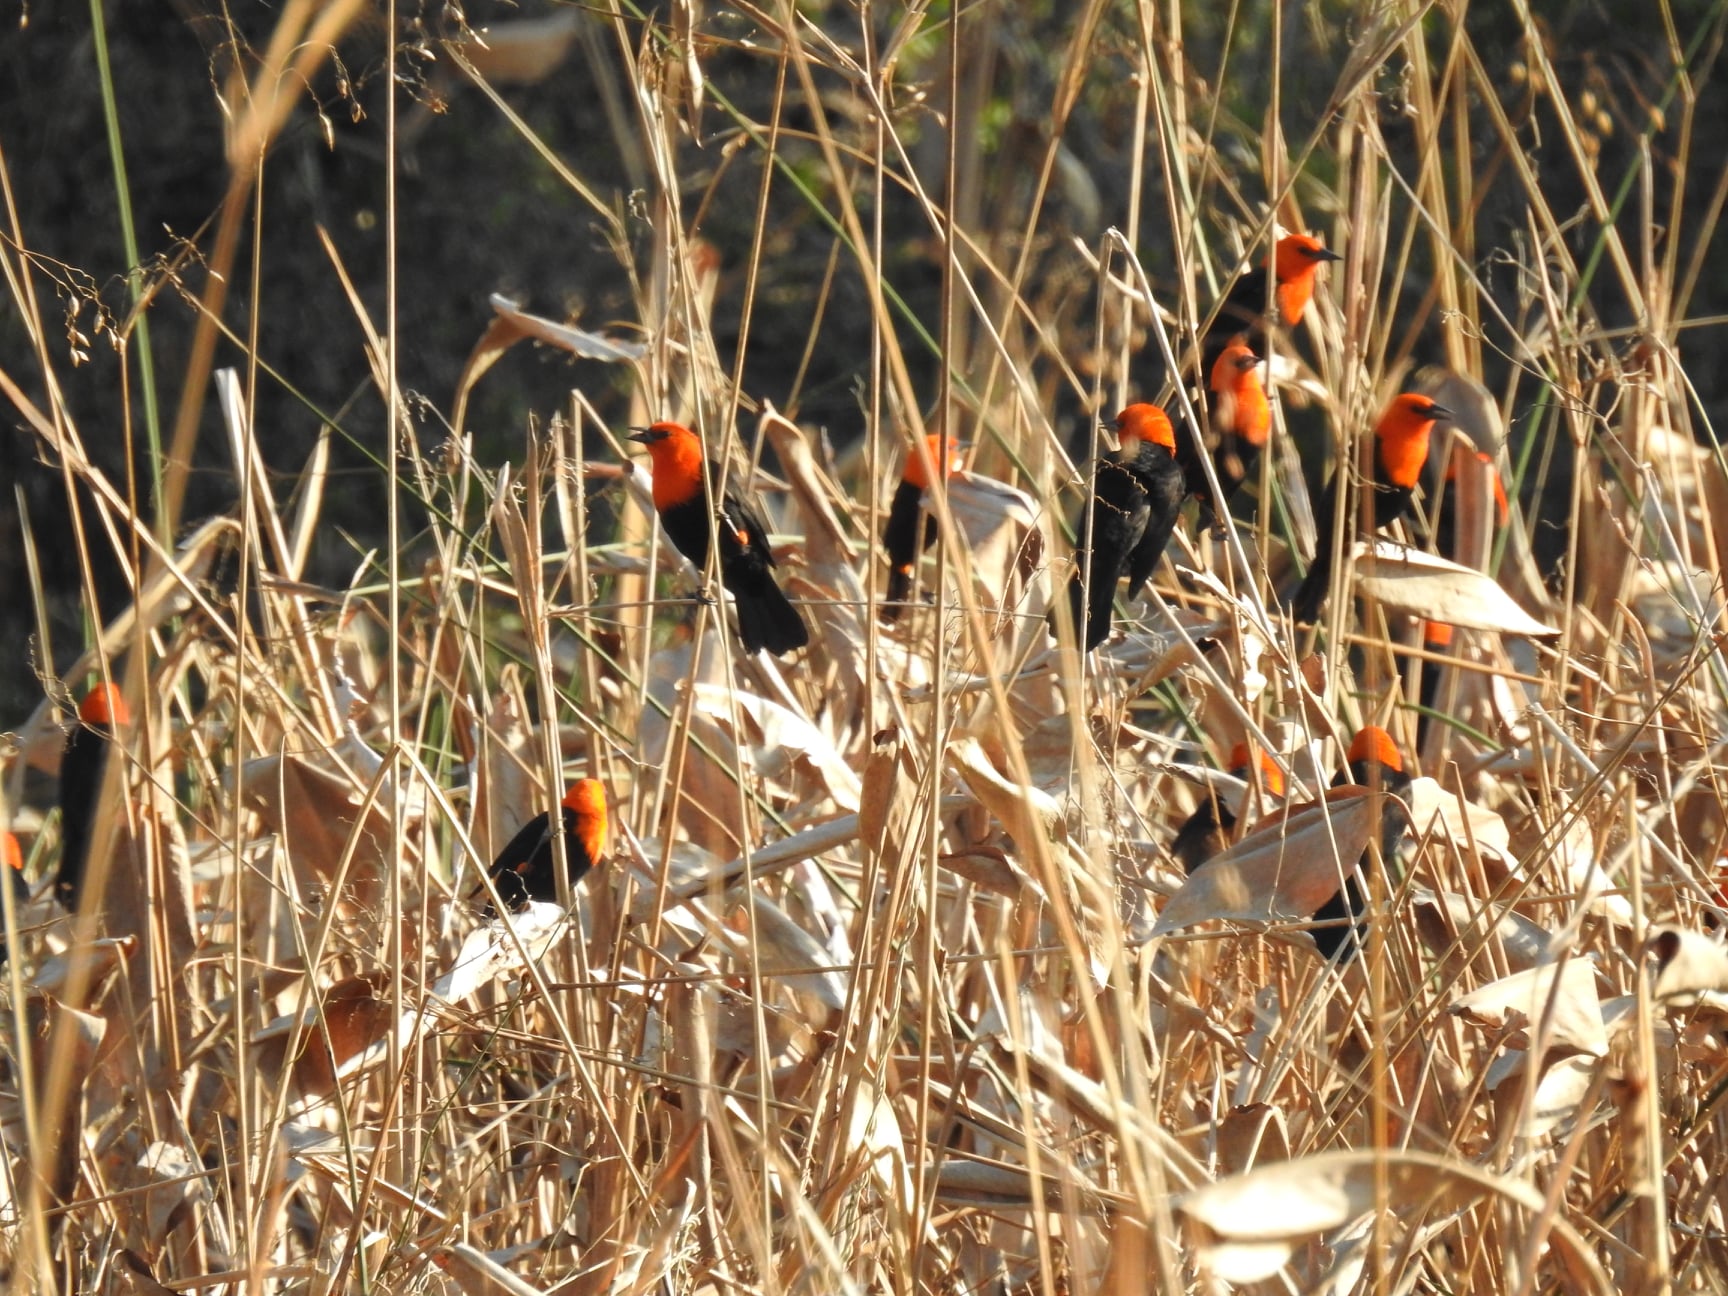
677	455
917	470
103	705
1271	777
1294	262
1239	401
586	801
1375	744
1403	436
1143	422
10	854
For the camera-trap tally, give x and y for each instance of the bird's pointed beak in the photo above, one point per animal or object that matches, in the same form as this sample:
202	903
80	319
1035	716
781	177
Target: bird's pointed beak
1438	411
1327	254
641	436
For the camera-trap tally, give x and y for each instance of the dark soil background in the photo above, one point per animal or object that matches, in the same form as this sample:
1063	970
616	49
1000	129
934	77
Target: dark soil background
480	213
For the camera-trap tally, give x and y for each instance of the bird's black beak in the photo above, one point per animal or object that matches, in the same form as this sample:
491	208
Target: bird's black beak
1327	254
1436	411
642	436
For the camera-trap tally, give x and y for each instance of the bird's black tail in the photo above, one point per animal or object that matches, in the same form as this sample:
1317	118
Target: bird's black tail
1311	593
767	619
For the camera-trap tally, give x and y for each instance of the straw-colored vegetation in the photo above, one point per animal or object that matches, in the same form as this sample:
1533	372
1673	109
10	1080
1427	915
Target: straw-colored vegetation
874	993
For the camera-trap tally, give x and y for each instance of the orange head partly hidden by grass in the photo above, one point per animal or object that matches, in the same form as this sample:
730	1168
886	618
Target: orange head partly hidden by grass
1271	777
103	705
1436	634
677	455
1375	744
917	471
10	854
1144	422
1240	402
1294	262
1403	436
586	800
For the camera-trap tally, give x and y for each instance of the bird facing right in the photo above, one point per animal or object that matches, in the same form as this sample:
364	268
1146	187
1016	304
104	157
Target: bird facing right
1127	518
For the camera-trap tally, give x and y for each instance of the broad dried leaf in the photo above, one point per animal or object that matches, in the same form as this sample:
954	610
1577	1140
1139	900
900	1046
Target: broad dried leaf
1000	526
780	734
888	797
1255	1221
1691	967
1025	813
789	954
1252	1135
316	813
874	1145
354	1016
1445	918
1283	870
173	1180
519	51
1422	585
1517	1003
579	342
477	1274
488	951
1435	809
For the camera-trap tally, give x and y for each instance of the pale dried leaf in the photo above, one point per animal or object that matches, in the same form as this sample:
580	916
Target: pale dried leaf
488	951
1256	1220
1422	585
476	1274
1690	966
1000	526
1435	809
579	342
780	734
789	954
1444	917
1517	1003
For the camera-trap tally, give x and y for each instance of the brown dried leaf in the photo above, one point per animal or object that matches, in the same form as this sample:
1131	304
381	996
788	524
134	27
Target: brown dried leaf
520	51
477	1274
1284	869
317	814
1025	813
1250	1136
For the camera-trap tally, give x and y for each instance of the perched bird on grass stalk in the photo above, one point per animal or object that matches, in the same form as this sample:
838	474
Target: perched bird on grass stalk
900	537
1294	261
1127	518
101	715
683	492
1238	423
1372	755
525	869
1400	449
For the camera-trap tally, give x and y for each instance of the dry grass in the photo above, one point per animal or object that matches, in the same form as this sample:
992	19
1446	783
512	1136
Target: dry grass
872	995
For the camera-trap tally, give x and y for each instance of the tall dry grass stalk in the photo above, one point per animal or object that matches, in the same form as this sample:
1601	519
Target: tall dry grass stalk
875	993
